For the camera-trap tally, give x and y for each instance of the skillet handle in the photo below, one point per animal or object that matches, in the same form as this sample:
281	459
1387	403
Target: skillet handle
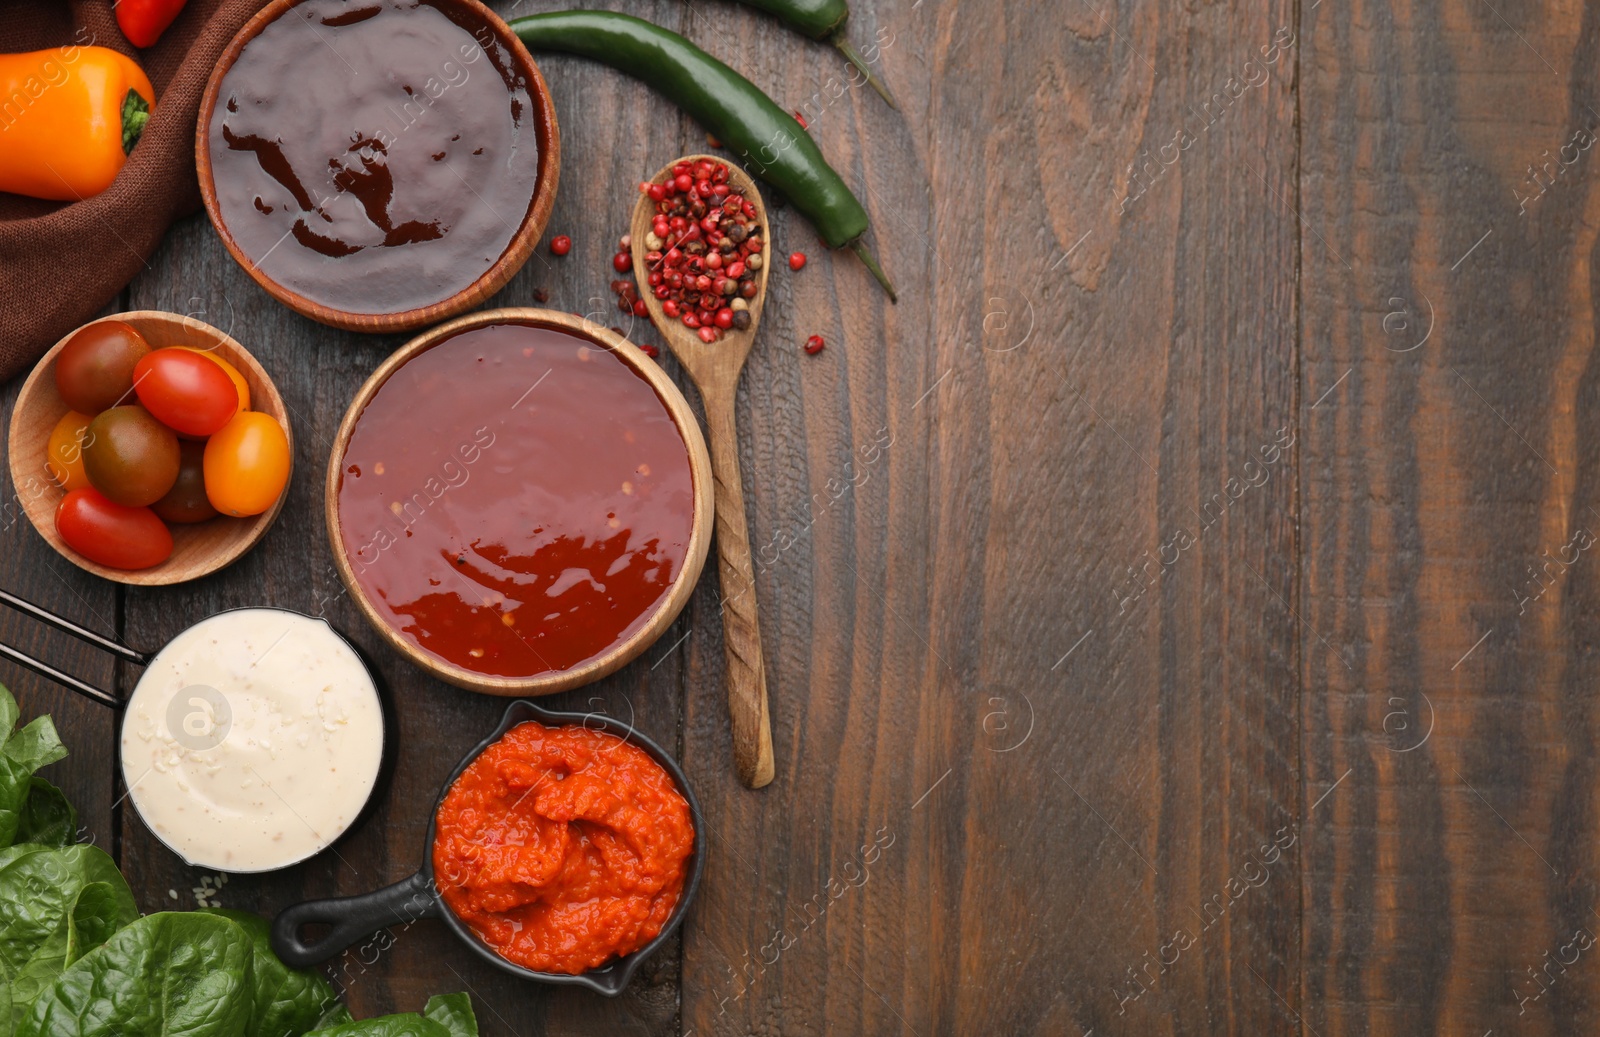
352	918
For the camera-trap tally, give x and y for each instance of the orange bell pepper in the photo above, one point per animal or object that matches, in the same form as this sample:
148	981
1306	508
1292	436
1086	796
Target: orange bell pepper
69	116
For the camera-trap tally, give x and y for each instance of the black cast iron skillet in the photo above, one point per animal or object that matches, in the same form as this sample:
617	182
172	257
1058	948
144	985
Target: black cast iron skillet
418	897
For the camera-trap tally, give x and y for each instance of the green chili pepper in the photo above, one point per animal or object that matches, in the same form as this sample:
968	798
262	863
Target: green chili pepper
733	109
823	20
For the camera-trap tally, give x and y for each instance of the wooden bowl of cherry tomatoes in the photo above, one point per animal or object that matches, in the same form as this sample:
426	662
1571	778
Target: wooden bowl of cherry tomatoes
150	448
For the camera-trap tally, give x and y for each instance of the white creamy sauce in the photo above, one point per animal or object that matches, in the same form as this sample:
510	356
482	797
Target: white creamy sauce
253	740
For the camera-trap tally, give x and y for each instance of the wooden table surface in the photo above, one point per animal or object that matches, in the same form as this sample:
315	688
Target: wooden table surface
1177	609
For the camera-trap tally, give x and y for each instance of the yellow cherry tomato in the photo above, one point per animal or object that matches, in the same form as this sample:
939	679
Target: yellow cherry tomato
63	459
246	464
232	372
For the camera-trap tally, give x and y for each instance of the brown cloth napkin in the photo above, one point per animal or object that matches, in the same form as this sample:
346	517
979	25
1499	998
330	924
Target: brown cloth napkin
61	263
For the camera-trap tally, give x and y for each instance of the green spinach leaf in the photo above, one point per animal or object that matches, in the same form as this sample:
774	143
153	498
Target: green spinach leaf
98	911
173	974
406	1024
454	1013
35	745
8	713
47	818
39	885
21	753
446	1015
287	1002
336	1015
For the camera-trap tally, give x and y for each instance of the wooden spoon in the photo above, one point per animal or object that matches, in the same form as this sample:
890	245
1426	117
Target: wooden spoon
715	368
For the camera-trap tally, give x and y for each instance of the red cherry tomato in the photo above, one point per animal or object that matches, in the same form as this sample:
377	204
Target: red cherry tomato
185	391
110	534
232	372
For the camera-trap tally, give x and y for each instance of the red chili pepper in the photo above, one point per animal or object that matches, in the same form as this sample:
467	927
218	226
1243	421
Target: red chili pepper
143	21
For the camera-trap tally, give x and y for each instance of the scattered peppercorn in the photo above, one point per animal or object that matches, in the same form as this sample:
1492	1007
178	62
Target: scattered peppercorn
540	295
622	262
560	244
797	260
650	351
814	345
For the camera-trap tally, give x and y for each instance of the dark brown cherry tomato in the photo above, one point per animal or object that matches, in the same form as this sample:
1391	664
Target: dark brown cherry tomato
94	370
187	392
186	502
130	456
110	534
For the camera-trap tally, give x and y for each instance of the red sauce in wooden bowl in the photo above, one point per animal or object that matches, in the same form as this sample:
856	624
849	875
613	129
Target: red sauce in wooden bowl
563	847
374	156
516	501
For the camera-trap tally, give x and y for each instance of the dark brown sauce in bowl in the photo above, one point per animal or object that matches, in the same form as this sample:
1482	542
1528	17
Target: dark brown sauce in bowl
374	157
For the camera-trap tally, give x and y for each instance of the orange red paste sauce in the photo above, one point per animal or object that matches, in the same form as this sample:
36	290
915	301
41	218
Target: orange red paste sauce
563	847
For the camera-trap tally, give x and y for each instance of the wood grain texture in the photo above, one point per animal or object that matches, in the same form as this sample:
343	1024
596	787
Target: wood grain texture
1175	614
1449	282
715	368
1009	771
1001	791
745	671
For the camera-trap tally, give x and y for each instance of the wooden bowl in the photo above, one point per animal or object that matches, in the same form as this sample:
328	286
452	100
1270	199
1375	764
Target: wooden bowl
666	611
197	550
517	252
